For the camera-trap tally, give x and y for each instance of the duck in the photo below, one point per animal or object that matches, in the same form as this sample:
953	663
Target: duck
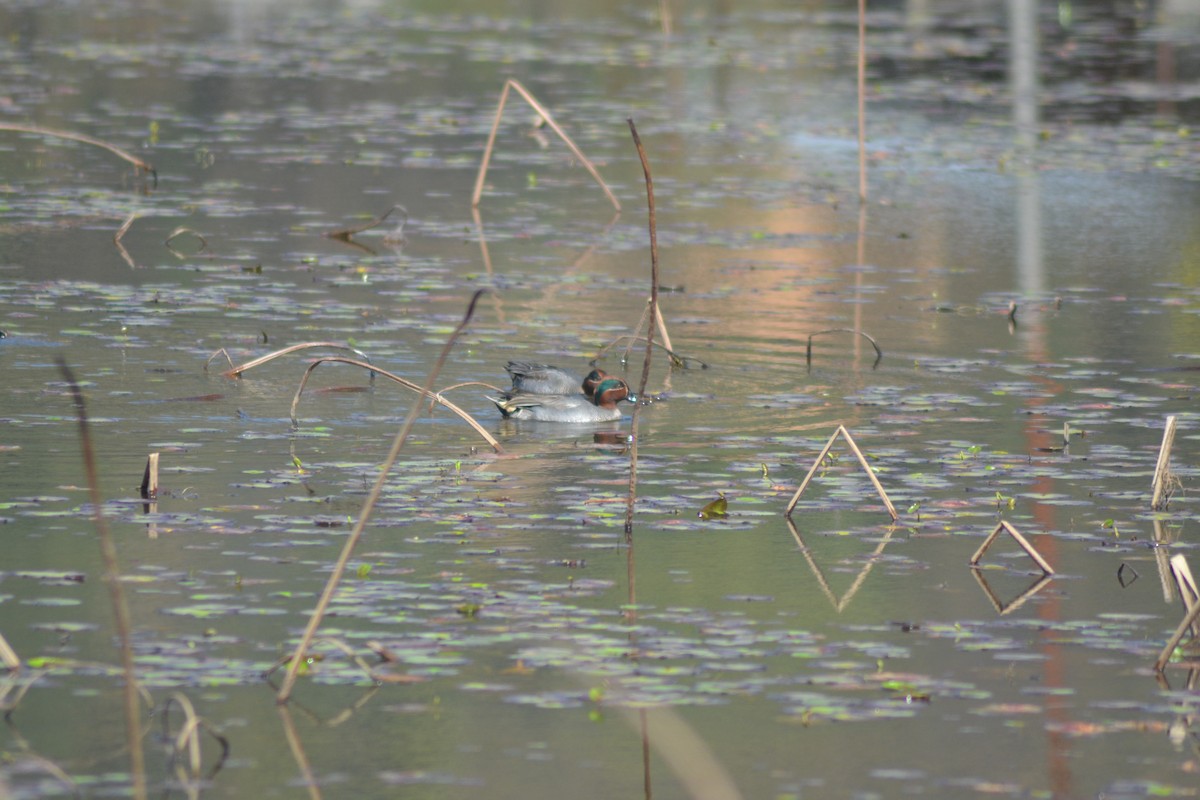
529	378
573	408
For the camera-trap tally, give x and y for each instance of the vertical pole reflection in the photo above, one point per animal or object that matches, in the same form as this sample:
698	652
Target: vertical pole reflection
1024	84
1023	68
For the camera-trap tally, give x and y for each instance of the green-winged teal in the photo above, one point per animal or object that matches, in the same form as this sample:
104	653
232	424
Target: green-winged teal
574	408
530	378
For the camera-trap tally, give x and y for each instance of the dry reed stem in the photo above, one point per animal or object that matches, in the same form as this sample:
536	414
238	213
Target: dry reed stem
112	577
540	109
862	460
1189	595
1189	619
368	506
1184	581
653	309
862	101
213	357
1160	495
433	397
868	337
1005	526
145	166
236	372
662	331
344	234
454	386
8	656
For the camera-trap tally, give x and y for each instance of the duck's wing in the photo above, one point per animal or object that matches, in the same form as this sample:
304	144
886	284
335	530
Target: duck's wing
541	378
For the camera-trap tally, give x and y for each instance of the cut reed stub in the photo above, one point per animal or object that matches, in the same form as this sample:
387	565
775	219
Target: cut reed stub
150	478
1004	526
1164	482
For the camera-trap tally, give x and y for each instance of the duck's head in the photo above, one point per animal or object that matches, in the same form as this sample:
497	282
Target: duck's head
592	380
611	391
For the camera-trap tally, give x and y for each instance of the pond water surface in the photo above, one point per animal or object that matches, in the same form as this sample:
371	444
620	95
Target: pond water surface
846	657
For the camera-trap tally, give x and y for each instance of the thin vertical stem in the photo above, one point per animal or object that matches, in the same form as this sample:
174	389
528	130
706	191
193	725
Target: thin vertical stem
650	328
112	577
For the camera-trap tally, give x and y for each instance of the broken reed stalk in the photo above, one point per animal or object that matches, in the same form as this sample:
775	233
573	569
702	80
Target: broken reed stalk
368	506
1005	526
862	460
435	397
862	101
236	372
145	166
633	439
112	577
540	109
868	337
1160	494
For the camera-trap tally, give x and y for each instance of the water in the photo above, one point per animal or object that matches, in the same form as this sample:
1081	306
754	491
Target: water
870	662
